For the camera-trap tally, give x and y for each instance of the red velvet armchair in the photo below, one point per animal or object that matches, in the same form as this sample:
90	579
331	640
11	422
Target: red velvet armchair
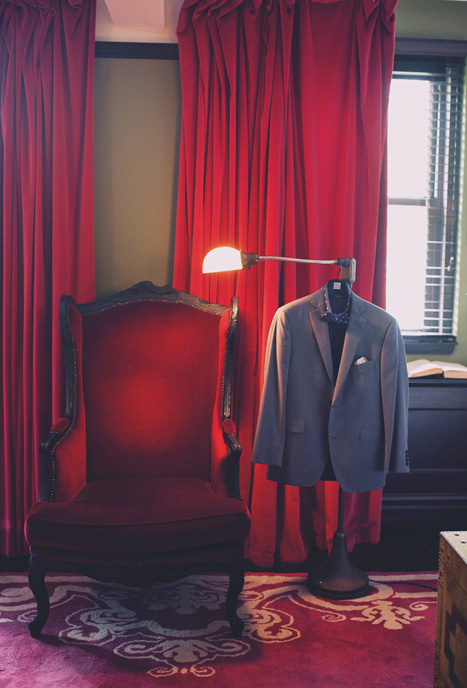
141	475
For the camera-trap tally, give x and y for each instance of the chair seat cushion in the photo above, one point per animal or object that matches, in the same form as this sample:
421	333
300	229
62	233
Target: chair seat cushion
138	515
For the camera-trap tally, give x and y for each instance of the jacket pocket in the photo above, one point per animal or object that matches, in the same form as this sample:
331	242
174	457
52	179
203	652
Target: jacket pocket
295	425
361	368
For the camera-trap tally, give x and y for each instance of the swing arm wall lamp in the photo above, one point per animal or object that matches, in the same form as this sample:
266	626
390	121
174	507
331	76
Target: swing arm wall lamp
225	258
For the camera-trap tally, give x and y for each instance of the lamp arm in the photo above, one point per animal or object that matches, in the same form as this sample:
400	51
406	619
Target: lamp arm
300	260
348	264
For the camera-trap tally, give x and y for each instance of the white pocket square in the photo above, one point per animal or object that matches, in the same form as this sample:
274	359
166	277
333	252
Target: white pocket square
361	360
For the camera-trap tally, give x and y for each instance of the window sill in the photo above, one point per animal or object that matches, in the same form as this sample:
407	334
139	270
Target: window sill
429	344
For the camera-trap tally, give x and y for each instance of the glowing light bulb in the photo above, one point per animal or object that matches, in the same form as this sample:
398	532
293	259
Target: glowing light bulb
222	259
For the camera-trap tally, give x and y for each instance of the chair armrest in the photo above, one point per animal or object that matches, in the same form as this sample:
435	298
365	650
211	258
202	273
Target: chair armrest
60	426
225	447
233	458
225	459
47	462
64	451
63	459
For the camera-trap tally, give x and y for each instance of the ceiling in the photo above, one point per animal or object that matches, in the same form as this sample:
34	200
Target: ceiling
139	21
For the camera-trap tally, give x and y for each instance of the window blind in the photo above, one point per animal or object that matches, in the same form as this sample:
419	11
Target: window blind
446	82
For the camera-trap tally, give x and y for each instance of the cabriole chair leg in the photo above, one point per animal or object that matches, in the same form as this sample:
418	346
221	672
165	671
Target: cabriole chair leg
36	576
236	578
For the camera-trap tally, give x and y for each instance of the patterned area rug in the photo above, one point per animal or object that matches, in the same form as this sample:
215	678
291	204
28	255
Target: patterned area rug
175	634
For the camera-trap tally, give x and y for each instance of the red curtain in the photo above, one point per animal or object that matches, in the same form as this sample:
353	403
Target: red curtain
283	154
46	98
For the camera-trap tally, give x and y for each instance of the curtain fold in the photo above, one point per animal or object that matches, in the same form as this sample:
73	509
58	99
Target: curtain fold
46	202
283	153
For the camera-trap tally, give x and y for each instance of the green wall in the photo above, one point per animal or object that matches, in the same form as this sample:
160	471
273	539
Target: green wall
445	19
136	134
137	107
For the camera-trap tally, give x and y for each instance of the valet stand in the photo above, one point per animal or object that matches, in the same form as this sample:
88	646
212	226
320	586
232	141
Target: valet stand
337	579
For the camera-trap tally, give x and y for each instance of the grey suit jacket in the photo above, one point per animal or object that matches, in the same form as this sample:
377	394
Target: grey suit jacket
360	422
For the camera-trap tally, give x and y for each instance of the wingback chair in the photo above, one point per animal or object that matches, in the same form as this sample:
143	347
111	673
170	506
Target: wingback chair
141	474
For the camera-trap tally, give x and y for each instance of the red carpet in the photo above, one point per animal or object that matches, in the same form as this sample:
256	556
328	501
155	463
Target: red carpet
174	634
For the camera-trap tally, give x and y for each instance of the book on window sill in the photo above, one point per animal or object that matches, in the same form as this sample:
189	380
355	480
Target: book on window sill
422	367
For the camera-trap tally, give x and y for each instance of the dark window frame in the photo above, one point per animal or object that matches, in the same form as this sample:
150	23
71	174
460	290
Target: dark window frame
408	53
141	51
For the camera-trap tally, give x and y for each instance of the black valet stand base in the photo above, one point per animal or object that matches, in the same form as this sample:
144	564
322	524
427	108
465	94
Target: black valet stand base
338	579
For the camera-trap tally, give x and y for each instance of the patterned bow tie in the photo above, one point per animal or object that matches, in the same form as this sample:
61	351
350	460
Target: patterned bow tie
340	318
337	318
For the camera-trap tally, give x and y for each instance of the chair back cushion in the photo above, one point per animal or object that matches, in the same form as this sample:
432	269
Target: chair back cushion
149	375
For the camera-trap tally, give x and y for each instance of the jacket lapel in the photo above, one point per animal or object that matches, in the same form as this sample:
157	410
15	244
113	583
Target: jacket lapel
353	336
352	339
321	332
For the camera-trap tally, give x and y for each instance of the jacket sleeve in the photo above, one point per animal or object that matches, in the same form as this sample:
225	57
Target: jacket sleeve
395	390
269	442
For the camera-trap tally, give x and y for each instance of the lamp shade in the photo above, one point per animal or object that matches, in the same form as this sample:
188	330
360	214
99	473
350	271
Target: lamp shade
222	259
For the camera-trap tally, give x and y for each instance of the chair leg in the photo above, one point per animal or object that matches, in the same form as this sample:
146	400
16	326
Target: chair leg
36	576
237	578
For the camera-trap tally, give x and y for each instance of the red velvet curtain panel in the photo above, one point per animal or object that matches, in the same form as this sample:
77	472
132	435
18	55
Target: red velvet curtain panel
46	197
283	153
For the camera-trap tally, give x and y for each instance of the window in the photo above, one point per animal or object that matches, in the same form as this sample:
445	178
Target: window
424	164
